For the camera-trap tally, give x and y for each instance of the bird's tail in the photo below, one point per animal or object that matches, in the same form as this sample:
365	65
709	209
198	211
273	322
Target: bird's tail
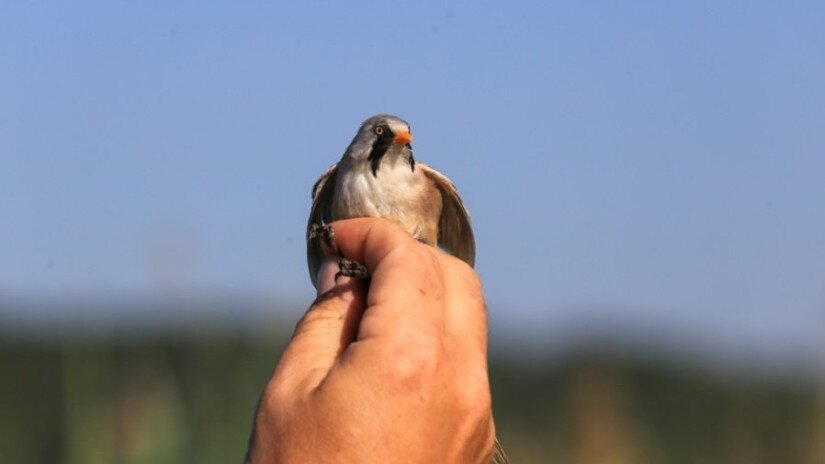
499	456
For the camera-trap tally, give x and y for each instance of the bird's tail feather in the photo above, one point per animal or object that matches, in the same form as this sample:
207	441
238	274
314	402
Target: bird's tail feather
499	456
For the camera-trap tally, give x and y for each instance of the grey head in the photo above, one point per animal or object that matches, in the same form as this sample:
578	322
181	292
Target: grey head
381	137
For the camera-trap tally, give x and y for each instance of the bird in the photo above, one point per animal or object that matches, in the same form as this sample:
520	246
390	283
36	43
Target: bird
378	176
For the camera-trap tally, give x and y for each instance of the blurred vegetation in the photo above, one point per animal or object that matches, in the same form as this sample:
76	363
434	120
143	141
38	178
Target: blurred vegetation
190	399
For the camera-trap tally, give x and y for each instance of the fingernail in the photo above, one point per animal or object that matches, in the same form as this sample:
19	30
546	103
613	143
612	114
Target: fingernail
326	276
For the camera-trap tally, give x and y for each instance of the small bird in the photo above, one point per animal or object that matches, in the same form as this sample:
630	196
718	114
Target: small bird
378	177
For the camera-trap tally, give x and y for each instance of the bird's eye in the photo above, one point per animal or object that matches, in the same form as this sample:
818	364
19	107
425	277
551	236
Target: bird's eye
379	130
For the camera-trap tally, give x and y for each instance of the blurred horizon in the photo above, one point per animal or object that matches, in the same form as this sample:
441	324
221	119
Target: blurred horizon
594	330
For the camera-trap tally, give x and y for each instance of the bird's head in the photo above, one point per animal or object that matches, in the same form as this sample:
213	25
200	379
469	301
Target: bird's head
378	136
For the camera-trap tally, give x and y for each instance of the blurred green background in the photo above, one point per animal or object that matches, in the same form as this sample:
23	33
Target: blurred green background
186	392
645	181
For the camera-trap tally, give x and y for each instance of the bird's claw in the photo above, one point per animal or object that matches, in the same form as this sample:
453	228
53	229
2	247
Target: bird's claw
324	232
346	267
350	268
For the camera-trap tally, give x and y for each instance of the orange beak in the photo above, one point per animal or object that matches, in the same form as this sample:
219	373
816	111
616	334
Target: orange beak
403	138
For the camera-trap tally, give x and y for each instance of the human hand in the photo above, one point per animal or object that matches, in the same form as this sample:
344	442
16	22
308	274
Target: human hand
393	371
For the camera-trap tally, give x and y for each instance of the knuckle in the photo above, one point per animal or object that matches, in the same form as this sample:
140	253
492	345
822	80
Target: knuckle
470	276
465	274
415	358
473	282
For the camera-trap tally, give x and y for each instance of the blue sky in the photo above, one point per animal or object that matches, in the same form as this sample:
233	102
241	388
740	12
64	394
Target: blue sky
646	161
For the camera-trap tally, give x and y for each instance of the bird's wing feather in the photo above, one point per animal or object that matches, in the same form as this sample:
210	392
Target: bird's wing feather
322	194
455	234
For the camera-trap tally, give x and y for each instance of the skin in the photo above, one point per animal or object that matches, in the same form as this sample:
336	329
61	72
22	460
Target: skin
394	374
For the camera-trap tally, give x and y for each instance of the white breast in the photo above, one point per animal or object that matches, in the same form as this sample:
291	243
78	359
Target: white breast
394	193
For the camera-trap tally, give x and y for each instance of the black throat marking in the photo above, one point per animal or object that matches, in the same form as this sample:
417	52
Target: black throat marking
412	159
380	147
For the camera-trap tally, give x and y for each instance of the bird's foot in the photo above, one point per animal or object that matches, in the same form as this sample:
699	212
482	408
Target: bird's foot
346	267
323	231
350	268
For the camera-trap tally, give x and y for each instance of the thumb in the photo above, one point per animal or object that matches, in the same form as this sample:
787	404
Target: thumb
326	330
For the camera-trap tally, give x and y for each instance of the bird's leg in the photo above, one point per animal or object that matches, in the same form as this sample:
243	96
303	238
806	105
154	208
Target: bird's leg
324	232
346	267
350	268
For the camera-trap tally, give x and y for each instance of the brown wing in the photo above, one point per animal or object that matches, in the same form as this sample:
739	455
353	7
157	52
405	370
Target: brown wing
321	212
454	232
